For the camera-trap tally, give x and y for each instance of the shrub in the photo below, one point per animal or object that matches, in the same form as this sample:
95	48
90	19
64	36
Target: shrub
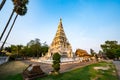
56	62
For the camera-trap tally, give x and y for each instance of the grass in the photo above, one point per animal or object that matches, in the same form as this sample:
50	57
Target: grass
85	73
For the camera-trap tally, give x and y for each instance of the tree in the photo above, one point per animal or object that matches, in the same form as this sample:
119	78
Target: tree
92	52
8	49
111	49
35	47
44	49
21	9
6	25
100	54
56	62
13	52
25	52
2	4
19	49
117	51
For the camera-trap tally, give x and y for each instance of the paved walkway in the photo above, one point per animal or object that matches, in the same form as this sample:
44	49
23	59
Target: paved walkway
64	67
117	65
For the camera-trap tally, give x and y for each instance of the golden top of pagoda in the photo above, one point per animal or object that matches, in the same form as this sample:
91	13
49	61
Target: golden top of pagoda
60	26
60	19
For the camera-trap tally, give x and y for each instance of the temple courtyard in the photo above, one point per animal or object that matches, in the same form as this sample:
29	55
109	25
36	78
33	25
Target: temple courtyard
104	70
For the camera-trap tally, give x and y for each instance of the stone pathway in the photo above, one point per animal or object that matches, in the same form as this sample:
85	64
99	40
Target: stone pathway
117	65
64	67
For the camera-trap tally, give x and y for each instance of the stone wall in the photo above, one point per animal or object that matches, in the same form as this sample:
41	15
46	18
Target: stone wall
3	59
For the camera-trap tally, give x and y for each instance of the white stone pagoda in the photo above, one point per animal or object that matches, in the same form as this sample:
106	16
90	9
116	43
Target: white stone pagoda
60	44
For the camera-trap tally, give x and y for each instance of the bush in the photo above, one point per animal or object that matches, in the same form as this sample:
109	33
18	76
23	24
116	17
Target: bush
56	62
56	67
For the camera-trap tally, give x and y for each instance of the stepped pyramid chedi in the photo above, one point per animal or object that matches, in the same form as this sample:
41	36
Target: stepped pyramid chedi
60	44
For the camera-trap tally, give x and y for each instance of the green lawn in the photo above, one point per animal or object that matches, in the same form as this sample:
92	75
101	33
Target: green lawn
85	73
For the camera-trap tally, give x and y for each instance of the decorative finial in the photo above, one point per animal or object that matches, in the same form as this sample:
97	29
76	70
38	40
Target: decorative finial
60	19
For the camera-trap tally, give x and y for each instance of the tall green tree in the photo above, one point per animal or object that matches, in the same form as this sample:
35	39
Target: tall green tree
44	49
111	49
2	4
25	52
20	9
35	47
14	49
19	49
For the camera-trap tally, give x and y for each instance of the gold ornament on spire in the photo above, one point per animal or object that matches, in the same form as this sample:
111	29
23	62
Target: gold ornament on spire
60	19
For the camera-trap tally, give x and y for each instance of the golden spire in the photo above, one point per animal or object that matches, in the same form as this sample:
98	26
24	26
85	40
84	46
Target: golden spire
60	19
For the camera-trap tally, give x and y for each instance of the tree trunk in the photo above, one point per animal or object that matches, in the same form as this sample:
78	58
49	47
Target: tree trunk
6	25
2	4
8	33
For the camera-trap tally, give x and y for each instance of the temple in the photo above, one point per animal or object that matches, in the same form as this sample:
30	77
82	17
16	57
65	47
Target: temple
60	44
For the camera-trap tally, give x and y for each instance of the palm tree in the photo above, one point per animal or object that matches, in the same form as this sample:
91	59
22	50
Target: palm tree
7	25
20	9
2	4
18	5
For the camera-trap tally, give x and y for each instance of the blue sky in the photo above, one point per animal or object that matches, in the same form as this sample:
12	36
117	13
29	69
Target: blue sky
87	23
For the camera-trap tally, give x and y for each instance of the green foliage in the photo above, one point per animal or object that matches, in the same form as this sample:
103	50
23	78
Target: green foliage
111	49
56	67
56	56
56	62
20	6
96	57
44	49
8	49
15	51
92	52
34	48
